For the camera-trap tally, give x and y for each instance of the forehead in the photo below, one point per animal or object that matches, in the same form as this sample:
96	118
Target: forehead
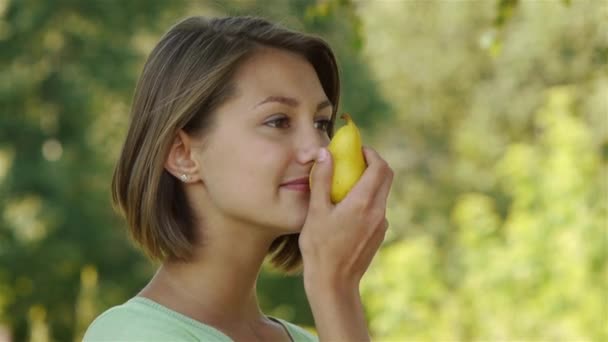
276	72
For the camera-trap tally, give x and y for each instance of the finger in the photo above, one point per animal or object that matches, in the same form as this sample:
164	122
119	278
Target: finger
385	188
372	178
320	179
379	234
375	240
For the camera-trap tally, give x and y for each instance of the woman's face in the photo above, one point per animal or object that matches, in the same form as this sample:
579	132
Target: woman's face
265	137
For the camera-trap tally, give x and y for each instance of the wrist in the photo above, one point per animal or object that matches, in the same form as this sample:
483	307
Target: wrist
337	309
332	282
329	290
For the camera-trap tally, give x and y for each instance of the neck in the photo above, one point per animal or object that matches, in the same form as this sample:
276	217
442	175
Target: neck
218	286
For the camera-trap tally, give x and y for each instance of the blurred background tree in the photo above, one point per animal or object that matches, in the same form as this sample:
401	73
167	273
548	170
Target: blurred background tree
66	77
493	114
499	213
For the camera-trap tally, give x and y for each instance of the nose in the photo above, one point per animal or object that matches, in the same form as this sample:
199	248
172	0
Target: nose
308	143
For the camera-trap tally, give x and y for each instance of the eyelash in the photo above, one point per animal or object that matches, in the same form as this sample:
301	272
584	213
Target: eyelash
276	123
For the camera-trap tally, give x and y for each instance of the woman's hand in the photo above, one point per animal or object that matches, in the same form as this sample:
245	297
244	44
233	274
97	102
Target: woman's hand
338	243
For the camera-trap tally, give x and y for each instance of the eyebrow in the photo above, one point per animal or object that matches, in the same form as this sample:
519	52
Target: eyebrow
290	101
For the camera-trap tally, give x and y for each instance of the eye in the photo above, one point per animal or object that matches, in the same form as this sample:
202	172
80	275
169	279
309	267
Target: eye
323	125
279	122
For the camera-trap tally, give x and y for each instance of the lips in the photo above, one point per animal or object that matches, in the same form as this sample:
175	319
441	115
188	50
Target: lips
300	184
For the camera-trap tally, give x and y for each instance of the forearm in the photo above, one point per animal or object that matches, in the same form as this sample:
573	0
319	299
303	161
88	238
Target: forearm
338	312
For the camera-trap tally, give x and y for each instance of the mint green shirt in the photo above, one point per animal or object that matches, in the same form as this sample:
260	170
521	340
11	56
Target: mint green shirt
141	319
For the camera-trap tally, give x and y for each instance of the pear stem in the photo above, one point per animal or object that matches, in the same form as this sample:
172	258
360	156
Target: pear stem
346	117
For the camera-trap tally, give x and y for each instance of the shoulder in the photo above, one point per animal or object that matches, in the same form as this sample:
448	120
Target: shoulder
298	333
128	322
136	320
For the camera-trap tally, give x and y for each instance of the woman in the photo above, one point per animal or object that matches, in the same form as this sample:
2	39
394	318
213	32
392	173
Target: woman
228	118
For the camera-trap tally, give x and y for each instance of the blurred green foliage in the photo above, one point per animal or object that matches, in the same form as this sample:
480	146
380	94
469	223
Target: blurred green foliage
494	115
500	205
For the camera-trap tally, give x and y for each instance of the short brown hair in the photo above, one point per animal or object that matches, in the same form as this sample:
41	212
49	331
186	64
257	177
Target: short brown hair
185	78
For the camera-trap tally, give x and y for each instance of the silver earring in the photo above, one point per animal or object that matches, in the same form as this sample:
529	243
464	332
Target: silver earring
184	177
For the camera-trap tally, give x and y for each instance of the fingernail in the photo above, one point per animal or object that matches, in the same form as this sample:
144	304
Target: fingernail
322	155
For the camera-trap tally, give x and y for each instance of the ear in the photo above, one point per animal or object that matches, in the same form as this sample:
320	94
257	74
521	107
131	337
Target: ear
180	161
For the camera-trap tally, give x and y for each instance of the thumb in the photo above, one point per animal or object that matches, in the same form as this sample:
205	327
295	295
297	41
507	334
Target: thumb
320	179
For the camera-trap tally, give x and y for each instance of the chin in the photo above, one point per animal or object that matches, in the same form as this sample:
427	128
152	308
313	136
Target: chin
294	224
290	218
294	230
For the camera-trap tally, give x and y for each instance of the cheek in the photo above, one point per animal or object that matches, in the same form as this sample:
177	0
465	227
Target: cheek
263	164
248	170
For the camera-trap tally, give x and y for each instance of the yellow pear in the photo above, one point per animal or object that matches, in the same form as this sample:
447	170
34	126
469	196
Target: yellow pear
348	160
